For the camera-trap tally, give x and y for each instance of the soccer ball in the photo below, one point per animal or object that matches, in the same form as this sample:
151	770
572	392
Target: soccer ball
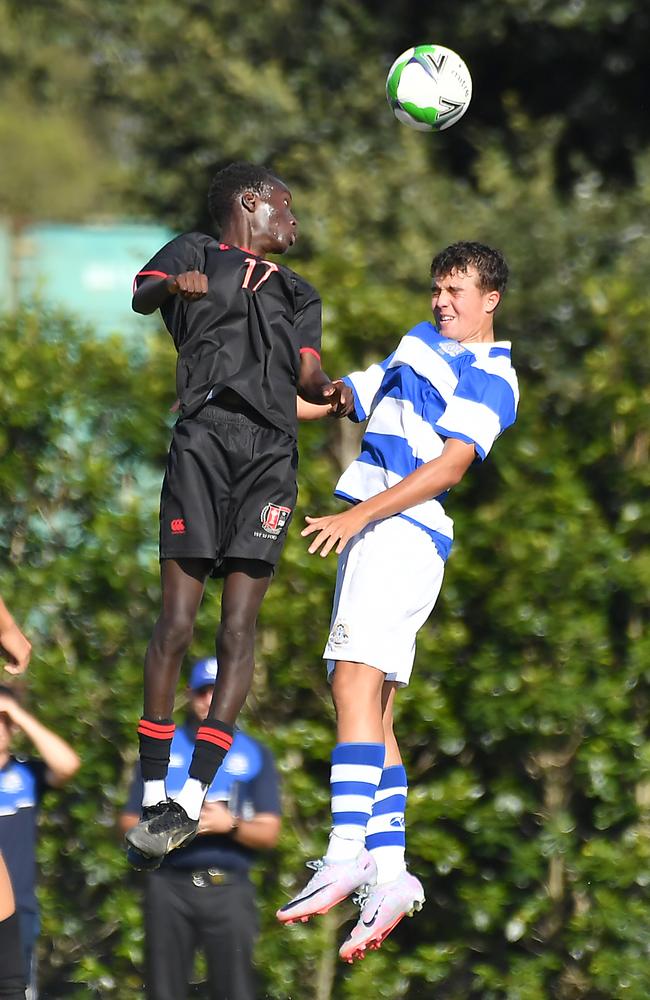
429	88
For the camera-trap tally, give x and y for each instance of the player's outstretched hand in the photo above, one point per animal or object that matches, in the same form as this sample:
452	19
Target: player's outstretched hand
15	649
334	531
189	285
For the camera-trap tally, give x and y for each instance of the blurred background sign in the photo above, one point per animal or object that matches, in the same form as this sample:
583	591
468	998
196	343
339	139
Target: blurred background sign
6	297
87	270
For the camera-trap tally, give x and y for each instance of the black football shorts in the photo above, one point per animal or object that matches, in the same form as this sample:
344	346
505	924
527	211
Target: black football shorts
229	489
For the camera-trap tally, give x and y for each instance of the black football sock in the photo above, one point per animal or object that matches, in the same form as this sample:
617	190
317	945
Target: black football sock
213	741
155	744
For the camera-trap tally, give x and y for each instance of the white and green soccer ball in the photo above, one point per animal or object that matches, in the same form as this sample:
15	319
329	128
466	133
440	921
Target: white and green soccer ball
429	87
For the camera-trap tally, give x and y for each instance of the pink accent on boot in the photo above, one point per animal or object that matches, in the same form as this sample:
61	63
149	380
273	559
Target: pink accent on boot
332	883
382	908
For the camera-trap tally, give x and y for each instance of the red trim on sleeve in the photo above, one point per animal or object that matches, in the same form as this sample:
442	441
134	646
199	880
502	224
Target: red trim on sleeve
310	350
147	274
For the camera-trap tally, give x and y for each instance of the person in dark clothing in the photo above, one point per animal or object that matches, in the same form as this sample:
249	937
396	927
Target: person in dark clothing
15	651
23	782
247	331
201	896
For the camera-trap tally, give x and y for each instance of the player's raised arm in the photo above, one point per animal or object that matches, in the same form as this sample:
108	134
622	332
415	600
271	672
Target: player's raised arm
61	760
154	290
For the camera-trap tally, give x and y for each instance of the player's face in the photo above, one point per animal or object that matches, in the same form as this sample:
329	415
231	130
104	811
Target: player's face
463	312
278	224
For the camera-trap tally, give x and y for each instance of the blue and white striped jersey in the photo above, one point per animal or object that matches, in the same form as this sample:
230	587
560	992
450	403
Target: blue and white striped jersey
429	389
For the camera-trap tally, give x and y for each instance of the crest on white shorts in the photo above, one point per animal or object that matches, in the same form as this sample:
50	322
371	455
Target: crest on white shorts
339	635
274	518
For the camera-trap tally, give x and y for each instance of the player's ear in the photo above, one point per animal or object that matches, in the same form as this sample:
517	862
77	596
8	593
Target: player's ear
492	300
249	201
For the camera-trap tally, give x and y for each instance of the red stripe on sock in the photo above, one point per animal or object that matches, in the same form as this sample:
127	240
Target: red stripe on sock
219	738
155	729
215	738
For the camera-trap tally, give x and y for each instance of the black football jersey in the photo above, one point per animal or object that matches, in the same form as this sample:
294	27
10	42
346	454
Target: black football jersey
247	333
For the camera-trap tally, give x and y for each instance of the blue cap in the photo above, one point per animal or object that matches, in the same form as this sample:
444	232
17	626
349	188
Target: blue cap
204	673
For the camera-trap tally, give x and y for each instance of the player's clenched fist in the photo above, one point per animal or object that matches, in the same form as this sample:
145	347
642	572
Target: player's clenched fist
189	285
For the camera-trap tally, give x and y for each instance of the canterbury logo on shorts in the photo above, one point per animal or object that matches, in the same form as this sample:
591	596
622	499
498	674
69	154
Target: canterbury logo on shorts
177	524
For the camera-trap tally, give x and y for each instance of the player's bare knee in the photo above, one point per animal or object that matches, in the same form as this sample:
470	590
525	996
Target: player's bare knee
237	633
174	633
353	687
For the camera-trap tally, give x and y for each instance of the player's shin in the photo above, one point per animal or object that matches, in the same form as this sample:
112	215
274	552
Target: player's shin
155	740
355	775
386	831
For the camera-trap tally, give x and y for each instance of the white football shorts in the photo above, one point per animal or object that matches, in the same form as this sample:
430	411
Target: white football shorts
387	583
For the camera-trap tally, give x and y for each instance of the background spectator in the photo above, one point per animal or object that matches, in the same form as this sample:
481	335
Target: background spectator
23	783
16	650
202	896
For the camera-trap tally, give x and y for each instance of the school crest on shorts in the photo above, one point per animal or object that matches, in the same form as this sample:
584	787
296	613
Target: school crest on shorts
339	635
274	518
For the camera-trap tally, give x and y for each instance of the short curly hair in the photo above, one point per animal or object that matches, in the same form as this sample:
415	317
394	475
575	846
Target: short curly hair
490	264
231	182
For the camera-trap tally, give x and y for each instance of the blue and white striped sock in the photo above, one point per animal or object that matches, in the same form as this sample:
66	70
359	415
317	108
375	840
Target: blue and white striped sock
356	773
386	831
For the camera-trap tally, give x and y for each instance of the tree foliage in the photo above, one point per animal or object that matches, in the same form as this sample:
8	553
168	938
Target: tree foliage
155	98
